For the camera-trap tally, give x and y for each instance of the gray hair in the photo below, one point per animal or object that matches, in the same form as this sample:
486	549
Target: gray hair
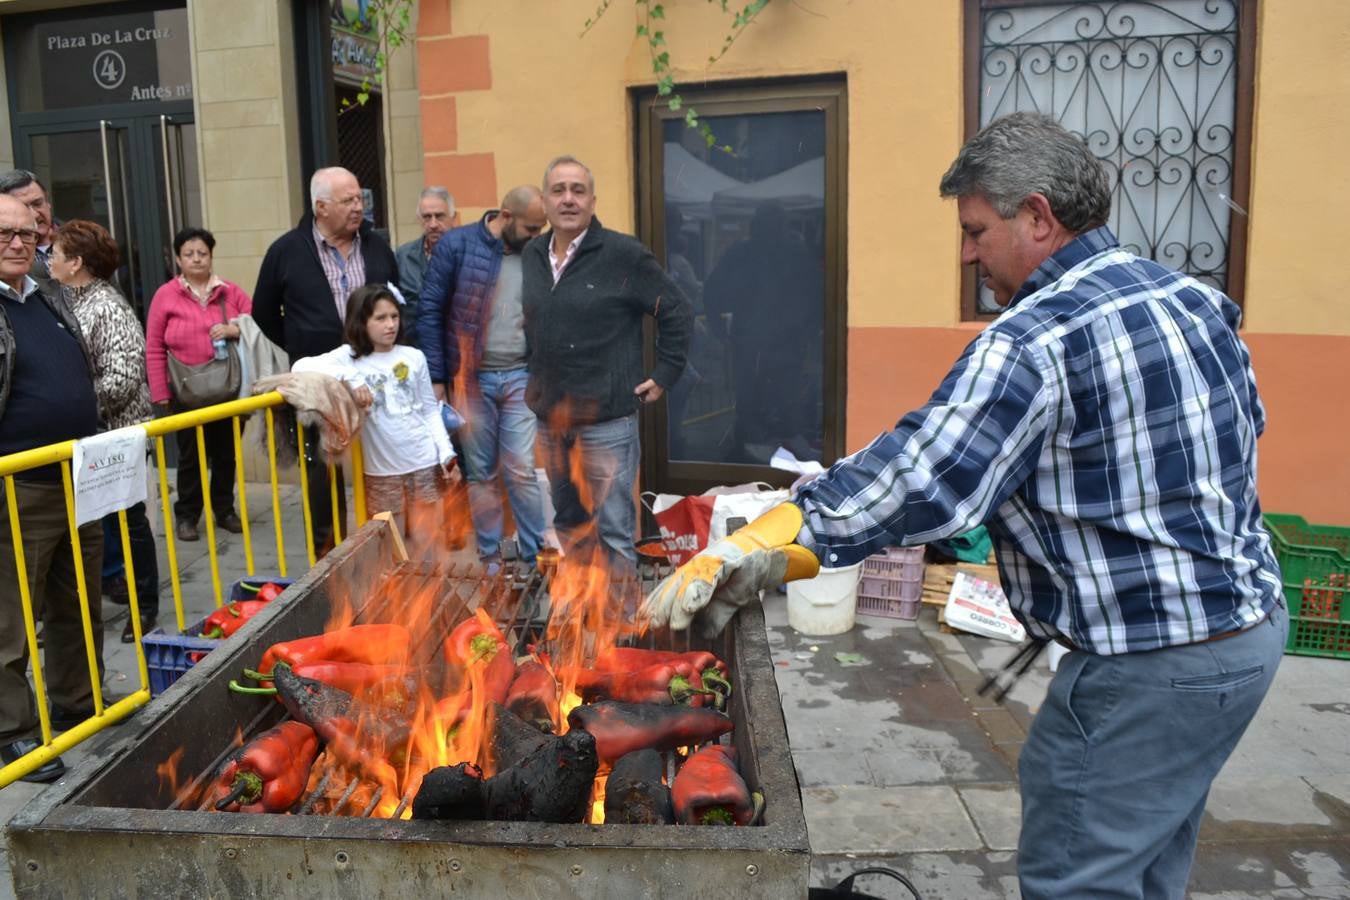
321	184
1029	153
518	199
17	179
439	193
567	160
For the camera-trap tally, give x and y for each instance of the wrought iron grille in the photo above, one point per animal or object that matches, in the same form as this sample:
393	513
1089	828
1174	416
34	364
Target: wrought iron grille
1152	88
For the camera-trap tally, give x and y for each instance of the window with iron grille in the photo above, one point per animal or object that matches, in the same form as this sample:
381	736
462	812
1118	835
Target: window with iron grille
1160	91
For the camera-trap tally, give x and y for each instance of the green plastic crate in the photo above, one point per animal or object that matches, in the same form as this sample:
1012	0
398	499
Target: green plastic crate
1315	567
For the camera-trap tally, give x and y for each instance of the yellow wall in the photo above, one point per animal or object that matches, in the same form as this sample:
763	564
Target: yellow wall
1296	281
553	92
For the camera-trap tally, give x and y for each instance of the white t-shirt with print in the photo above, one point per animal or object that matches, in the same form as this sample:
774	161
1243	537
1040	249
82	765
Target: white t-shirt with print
403	431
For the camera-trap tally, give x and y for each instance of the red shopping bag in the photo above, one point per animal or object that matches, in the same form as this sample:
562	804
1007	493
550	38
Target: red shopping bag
684	524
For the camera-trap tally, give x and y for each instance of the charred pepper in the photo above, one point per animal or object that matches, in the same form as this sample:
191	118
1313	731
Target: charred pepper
712	671
268	774
534	695
621	728
666	683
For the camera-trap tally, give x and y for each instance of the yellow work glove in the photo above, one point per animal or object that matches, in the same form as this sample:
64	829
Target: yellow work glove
727	575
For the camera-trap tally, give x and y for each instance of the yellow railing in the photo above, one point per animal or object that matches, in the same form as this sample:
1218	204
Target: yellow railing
61	454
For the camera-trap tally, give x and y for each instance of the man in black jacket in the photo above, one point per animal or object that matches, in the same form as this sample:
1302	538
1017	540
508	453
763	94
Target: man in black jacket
301	299
585	292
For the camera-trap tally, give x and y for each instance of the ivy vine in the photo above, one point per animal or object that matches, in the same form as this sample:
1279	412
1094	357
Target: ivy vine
650	14
391	21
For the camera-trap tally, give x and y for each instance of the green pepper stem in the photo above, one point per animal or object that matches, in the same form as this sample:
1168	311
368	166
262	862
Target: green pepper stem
758	800
247	787
256	675
214	634
717	815
681	691
243	689
714	679
233	610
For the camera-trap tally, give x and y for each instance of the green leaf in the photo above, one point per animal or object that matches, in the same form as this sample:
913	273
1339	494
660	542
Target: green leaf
641	29
664	59
675	103
658	11
657	39
665	85
691	119
711	141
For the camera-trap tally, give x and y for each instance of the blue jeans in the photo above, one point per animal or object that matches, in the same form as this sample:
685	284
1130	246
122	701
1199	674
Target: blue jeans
602	510
1117	766
499	437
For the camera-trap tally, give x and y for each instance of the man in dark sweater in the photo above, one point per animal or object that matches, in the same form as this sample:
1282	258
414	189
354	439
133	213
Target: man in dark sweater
46	396
301	299
586	290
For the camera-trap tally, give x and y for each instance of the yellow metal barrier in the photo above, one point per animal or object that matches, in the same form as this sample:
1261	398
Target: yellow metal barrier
61	454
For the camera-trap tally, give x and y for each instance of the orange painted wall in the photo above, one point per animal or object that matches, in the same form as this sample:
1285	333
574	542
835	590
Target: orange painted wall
1304	455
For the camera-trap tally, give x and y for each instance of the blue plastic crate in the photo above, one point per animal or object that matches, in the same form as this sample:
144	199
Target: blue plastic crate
168	656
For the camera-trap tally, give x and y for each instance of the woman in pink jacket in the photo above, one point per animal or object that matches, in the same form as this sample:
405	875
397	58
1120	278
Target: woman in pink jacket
185	317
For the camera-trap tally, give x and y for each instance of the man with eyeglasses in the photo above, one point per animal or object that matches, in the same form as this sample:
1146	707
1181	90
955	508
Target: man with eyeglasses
436	212
24	186
301	298
46	396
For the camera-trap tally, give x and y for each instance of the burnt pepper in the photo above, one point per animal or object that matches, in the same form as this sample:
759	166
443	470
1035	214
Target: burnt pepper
388	686
621	728
709	790
269	773
534	695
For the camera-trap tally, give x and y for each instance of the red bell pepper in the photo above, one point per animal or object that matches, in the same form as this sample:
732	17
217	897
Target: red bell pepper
709	790
269	773
231	617
472	639
621	728
712	671
373	644
666	683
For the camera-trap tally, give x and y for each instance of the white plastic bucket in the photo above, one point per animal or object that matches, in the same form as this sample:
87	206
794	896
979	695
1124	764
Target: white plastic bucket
825	604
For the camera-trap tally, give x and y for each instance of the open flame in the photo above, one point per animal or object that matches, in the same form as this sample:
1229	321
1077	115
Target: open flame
438	714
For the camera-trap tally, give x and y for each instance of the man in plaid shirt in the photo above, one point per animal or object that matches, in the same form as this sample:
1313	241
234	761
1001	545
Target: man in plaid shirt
1104	429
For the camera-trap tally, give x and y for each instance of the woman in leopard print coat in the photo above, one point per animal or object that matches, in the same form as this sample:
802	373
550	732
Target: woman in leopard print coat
84	258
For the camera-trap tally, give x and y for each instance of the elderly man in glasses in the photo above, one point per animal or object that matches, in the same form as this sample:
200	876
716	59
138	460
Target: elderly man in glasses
46	396
301	297
23	185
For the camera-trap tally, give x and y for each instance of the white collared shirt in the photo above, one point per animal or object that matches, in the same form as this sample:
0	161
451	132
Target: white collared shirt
29	287
558	265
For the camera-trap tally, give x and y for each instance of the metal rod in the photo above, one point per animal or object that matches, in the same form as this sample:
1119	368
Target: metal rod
370	807
315	794
168	172
107	177
346	795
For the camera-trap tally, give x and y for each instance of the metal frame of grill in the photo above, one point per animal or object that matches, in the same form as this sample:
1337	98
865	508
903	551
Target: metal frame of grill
111	815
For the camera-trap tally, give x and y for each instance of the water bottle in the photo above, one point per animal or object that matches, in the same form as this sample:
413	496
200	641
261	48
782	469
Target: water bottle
219	345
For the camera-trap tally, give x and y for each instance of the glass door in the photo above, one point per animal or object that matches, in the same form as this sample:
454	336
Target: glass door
137	177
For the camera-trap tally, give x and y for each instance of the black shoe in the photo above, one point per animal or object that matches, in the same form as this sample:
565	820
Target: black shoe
115	589
49	771
230	522
63	719
129	634
185	530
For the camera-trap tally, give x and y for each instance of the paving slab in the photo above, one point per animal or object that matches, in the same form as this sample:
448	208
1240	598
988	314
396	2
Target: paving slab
868	820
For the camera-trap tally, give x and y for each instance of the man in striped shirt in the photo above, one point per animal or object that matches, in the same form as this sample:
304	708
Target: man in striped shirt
1104	429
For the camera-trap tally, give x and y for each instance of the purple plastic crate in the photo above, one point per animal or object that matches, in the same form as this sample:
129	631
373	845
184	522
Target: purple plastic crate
888	608
896	563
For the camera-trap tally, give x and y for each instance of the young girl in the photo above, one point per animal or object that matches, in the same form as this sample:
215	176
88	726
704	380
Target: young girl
406	450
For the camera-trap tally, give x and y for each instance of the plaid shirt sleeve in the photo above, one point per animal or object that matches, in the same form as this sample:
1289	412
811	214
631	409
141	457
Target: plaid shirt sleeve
945	467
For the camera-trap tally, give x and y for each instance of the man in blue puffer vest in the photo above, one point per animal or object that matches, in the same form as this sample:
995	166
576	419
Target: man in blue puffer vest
469	325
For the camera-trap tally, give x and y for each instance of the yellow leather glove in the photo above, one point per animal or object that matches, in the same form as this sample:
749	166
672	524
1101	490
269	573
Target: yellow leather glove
727	575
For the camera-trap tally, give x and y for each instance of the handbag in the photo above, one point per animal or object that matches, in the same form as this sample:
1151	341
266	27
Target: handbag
214	381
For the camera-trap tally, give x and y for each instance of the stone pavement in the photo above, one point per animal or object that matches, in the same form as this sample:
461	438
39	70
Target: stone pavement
903	765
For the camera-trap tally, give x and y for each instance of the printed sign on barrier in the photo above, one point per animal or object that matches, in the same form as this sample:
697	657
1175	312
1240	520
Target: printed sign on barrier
108	472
